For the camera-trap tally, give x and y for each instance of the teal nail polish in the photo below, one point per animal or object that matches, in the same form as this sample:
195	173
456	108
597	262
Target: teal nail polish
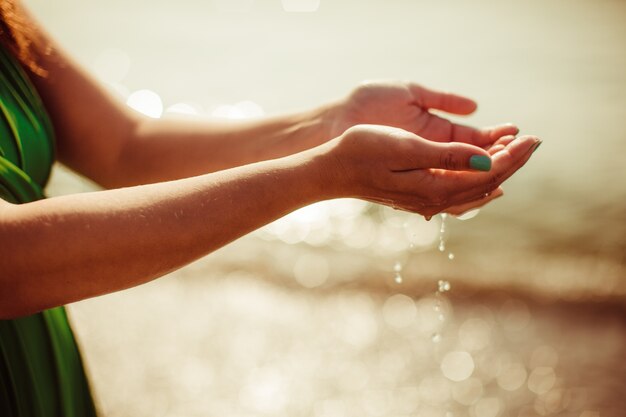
480	162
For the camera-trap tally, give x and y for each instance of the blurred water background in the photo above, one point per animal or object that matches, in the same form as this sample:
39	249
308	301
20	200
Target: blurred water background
335	310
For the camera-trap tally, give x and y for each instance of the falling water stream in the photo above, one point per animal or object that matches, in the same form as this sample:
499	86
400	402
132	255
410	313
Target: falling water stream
443	286
398	272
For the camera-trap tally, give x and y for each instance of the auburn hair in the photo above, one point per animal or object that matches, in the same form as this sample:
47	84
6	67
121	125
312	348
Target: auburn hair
19	36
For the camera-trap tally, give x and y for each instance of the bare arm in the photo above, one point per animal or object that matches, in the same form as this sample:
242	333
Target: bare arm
104	140
114	146
167	148
101	138
68	248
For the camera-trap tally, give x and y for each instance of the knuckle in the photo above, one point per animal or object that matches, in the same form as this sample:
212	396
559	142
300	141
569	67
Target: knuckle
353	135
353	131
365	90
448	160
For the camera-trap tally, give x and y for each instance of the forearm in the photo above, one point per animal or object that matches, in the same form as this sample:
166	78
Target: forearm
166	149
104	140
69	248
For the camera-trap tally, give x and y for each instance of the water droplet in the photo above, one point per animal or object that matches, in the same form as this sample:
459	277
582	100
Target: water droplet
436	338
442	317
443	286
397	266
428	218
398	279
442	233
451	256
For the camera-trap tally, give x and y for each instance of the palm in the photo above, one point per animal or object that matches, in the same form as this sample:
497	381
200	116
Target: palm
407	106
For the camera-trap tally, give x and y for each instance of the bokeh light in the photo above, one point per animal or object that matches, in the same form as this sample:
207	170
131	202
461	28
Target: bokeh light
475	334
146	102
266	391
457	366
399	311
468	391
305	6
468	214
541	379
512	376
487	407
311	270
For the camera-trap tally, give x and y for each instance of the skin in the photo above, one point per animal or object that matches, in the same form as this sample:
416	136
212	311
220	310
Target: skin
179	189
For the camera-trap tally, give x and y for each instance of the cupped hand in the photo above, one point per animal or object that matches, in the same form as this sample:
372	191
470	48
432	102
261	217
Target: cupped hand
408	106
400	169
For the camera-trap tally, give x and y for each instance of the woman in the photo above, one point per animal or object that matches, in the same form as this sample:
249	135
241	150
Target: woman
190	188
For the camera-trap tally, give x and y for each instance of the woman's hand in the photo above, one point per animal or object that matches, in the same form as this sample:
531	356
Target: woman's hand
397	168
407	106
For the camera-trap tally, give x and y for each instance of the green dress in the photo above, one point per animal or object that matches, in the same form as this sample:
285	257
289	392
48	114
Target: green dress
41	373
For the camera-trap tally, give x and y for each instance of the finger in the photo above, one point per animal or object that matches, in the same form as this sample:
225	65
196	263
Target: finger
448	156
490	135
500	144
446	188
505	140
424	207
448	102
481	137
495	149
505	163
434	127
460	209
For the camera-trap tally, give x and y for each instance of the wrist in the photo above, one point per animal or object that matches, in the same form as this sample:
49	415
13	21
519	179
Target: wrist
328	117
327	169
319	124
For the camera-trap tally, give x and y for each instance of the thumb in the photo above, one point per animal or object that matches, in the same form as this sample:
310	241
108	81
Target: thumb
440	100
453	156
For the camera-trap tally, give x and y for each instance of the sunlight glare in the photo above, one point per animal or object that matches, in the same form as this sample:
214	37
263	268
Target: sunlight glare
146	102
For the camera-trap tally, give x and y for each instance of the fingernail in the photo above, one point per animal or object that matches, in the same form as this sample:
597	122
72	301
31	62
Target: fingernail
480	162
537	145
